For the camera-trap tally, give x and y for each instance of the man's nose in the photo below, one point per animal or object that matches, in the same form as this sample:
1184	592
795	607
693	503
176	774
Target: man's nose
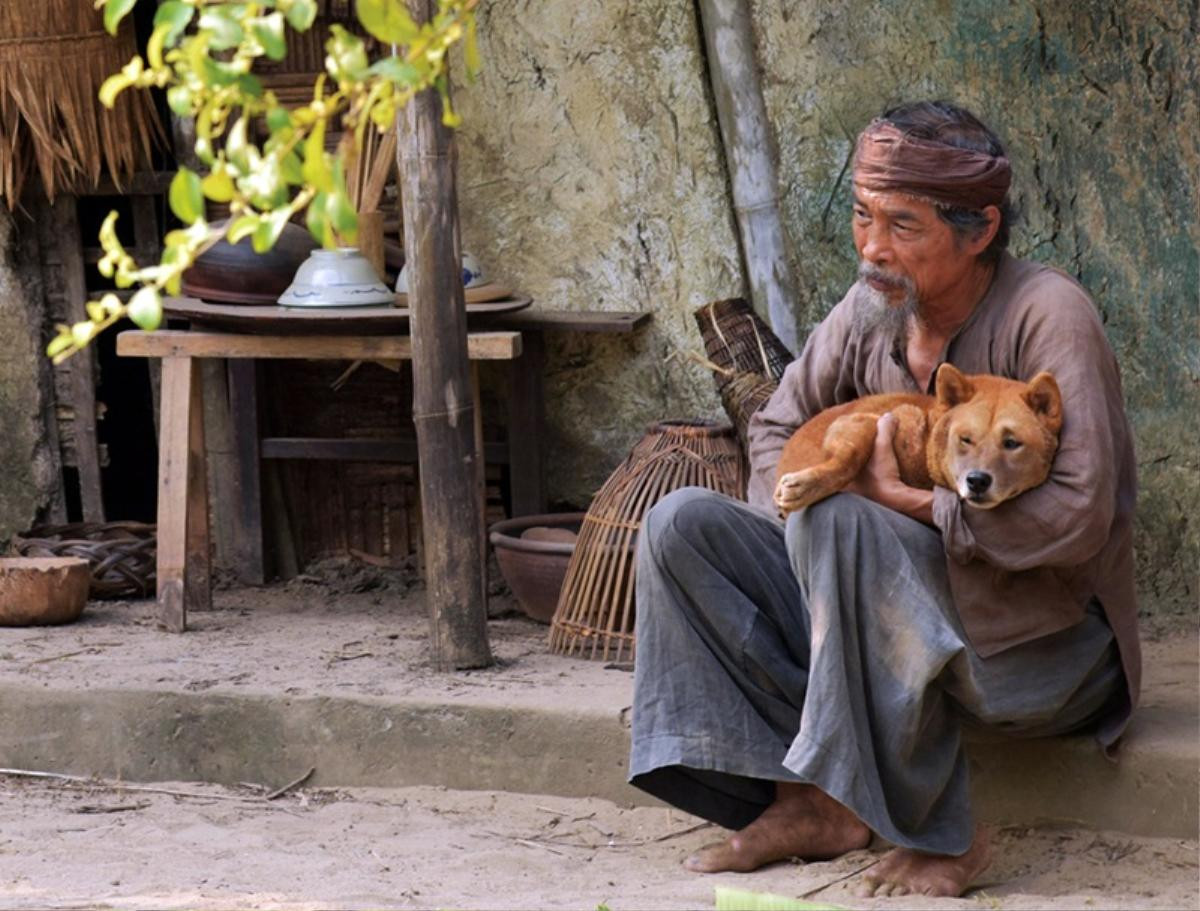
875	244
978	482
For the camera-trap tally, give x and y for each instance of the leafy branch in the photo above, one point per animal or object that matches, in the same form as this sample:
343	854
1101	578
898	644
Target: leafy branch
202	52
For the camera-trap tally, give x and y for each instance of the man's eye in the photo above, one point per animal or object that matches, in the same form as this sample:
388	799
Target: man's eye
1011	443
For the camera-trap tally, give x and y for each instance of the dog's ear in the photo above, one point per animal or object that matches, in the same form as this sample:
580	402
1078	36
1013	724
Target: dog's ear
1044	399
952	387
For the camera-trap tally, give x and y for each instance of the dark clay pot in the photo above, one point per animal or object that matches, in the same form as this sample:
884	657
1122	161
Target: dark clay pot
534	570
235	274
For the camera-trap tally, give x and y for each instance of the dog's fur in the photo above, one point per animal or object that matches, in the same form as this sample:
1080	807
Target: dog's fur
985	437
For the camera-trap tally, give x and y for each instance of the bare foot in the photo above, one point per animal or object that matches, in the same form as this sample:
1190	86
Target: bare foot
905	872
802	822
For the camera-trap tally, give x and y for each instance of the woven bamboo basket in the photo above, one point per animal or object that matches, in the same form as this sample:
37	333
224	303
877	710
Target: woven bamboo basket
120	555
747	357
595	613
54	55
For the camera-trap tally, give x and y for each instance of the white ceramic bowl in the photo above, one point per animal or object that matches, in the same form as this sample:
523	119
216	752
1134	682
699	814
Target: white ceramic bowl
336	278
472	275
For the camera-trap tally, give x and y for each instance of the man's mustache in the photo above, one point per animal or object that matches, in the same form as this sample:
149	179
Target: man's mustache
868	272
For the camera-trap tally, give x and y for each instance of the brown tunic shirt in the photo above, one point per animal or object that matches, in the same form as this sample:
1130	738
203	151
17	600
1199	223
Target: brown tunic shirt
1028	567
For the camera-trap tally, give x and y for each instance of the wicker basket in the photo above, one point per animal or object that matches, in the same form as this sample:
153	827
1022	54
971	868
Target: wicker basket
749	358
595	612
121	555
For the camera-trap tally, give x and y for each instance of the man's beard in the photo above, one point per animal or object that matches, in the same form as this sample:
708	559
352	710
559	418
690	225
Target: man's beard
879	311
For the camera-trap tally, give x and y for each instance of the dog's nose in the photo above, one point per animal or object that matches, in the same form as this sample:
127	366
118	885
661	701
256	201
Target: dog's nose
978	482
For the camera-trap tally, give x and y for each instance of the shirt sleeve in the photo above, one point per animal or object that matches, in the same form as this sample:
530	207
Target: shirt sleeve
1066	520
809	384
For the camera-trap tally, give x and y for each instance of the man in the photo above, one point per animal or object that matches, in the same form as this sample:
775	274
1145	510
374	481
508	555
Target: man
808	683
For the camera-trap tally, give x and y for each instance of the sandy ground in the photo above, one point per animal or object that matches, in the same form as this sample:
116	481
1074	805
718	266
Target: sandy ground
89	846
360	630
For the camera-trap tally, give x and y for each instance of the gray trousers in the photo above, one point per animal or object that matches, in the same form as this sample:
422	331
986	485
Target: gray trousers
828	651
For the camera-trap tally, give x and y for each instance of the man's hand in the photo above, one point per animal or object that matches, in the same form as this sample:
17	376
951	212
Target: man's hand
880	478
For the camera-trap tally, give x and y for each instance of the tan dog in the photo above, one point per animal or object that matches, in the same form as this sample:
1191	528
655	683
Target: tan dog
985	437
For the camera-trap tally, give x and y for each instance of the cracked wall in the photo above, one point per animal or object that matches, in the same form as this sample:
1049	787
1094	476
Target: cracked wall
1097	105
591	176
28	461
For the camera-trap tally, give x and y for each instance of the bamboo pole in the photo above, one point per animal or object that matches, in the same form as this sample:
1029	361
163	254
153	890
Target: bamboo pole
749	156
443	405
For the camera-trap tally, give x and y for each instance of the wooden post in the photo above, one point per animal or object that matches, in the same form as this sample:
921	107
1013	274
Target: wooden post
733	73
443	404
83	367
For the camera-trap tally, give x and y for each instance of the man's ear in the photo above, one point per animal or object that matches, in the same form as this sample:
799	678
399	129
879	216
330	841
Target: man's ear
979	241
952	387
1045	400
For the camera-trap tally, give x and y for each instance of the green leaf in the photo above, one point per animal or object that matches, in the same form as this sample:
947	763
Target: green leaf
113	86
244	226
471	50
318	222
224	30
268	231
268	30
387	20
145	309
82	332
301	14
179	99
347	56
236	150
291	169
342	216
186	196
114	12
218	186
95	311
59	344
316	168
175	14
278	119
397	70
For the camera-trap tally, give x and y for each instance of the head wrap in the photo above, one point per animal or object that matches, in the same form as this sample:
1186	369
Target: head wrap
888	159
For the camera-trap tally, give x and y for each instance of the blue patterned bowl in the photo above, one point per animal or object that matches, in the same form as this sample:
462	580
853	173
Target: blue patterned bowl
336	278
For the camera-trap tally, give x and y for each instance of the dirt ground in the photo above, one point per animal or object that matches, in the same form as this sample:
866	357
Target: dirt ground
88	846
105	845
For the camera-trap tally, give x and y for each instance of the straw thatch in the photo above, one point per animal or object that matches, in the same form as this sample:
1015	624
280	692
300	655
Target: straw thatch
54	55
595	612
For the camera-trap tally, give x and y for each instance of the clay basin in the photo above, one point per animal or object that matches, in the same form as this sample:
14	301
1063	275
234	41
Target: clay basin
533	553
42	590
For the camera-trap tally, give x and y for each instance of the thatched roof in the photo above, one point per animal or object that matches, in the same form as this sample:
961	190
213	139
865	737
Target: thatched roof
53	57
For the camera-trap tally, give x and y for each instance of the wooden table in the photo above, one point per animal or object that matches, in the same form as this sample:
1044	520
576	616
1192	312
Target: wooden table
183	559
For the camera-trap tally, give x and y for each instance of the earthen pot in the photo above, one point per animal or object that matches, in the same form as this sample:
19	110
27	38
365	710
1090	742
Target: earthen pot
235	274
533	553
42	590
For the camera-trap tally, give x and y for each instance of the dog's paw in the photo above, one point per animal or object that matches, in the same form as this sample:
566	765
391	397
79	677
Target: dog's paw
798	489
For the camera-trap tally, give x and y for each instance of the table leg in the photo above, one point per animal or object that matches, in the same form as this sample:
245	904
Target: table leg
183	559
526	427
248	528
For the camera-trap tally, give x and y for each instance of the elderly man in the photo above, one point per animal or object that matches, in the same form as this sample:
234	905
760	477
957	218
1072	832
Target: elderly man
808	683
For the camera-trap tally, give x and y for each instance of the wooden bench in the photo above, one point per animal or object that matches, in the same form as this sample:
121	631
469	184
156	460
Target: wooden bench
183	558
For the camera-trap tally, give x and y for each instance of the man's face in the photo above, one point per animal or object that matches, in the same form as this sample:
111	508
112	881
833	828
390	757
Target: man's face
908	254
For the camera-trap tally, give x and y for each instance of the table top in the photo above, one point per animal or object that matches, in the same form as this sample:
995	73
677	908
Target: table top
271	318
513	313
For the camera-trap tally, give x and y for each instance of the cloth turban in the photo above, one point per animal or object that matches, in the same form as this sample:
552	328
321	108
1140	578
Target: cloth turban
888	159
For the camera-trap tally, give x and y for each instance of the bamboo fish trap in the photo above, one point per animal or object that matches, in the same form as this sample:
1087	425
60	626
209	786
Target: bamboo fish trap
595	613
53	57
746	356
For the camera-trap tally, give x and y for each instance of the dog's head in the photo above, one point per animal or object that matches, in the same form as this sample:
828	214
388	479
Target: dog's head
993	438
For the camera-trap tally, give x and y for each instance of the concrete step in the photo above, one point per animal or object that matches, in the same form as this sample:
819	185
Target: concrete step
273	685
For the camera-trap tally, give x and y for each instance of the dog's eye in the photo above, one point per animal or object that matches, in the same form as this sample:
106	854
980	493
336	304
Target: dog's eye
965	440
1012	443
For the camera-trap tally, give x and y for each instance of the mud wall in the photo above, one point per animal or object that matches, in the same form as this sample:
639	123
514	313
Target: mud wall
28	458
592	176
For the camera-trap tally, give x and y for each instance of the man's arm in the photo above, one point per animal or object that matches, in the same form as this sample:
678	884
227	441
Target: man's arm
809	384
